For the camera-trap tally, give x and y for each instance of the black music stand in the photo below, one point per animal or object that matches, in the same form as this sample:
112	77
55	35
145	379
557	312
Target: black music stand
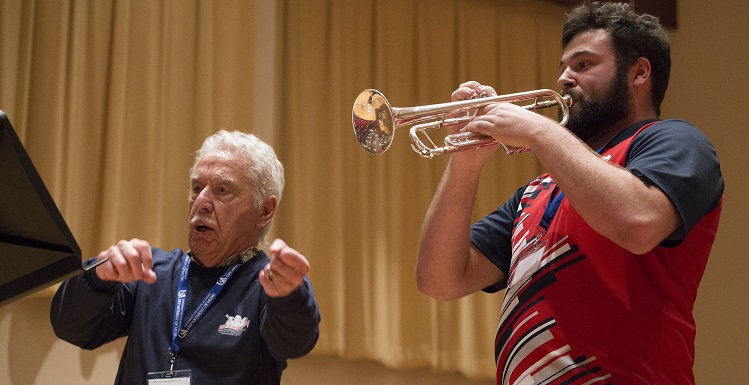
37	248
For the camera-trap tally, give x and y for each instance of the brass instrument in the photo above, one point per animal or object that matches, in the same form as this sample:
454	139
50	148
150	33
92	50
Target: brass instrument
375	121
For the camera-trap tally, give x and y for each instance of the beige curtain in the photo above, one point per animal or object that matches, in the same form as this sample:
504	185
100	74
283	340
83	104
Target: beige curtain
111	99
358	216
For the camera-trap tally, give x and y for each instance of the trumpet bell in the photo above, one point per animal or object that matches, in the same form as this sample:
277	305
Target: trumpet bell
372	118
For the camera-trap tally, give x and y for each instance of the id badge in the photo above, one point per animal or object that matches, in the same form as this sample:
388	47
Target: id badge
177	377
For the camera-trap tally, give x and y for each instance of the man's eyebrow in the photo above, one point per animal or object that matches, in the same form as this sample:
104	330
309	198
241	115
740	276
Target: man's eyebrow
220	177
575	56
226	180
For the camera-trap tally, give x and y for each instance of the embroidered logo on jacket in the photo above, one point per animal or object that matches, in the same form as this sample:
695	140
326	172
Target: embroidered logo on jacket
234	326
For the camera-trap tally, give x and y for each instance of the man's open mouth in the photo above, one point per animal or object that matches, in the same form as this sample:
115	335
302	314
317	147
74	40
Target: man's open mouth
202	225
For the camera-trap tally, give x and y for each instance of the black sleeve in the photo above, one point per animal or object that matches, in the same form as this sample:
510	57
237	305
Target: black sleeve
289	325
676	157
89	312
492	236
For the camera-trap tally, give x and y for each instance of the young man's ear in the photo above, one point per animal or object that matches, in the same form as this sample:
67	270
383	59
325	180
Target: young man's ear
642	72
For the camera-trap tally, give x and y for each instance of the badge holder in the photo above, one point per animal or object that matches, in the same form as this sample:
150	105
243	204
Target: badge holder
175	377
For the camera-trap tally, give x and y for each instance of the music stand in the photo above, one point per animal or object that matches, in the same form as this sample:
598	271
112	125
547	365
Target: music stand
37	248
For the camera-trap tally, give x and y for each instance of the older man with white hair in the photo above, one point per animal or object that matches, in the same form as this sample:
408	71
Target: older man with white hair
224	311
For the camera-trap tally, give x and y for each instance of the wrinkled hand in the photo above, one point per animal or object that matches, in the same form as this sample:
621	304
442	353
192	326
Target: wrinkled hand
285	272
128	261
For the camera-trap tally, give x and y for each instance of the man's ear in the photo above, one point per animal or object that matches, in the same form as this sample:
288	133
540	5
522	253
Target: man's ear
641	72
267	210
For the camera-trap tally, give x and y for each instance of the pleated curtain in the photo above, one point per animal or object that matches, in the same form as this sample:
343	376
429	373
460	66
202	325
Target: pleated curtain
112	98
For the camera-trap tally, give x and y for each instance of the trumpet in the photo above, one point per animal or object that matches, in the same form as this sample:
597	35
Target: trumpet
375	120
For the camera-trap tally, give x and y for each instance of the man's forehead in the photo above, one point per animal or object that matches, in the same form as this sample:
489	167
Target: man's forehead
593	42
223	164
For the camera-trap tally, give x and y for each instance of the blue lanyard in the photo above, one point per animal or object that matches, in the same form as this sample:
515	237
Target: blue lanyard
179	332
551	208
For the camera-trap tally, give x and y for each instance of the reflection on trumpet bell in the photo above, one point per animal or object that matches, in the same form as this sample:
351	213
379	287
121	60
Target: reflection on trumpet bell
375	121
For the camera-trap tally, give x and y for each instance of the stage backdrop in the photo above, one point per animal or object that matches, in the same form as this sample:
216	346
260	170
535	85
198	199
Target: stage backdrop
112	98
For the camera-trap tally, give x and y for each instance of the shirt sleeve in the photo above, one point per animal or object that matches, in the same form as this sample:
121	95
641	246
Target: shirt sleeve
492	237
89	312
678	158
290	325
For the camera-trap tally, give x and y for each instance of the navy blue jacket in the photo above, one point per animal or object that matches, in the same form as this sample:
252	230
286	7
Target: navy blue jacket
245	337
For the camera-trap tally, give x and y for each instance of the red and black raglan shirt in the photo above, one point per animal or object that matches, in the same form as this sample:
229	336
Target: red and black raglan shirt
578	309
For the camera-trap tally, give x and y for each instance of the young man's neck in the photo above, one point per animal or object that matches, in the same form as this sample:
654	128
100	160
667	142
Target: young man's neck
603	137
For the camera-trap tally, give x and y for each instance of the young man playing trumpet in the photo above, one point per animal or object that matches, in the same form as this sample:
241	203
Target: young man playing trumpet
602	255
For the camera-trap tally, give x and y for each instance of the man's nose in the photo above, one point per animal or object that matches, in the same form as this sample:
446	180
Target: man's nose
204	200
566	80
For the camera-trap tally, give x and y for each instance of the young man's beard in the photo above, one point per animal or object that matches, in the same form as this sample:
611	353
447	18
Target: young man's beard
593	116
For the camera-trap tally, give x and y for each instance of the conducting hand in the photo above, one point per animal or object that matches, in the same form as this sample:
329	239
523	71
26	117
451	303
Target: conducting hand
128	261
285	272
